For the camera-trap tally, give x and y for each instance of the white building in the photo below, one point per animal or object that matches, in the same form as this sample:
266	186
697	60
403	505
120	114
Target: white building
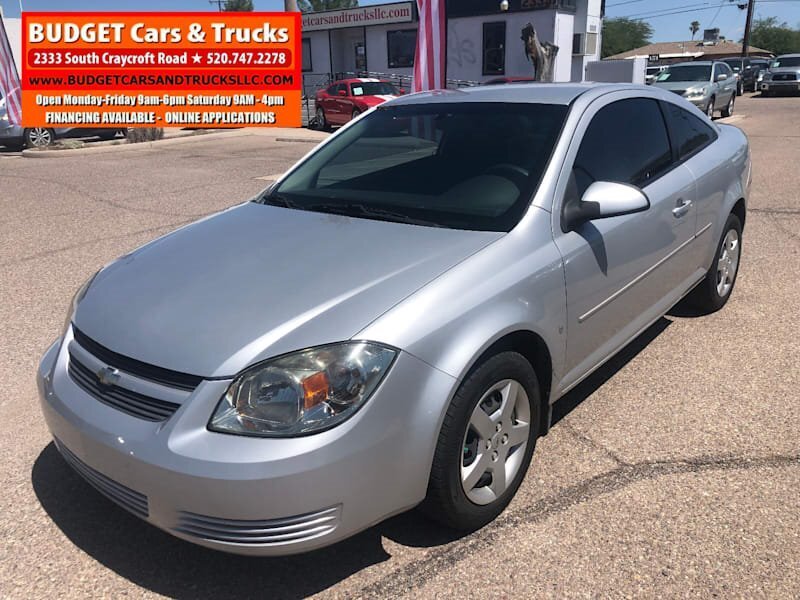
483	41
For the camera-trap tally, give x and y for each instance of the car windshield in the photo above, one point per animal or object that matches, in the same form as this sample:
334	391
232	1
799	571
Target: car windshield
469	166
787	61
373	88
734	63
686	73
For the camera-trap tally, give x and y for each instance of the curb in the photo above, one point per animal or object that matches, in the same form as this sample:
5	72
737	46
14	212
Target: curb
174	140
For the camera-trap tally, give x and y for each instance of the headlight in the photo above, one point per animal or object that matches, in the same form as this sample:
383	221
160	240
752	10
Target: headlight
767	76
696	93
304	392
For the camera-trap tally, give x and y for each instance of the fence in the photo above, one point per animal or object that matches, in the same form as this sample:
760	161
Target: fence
316	81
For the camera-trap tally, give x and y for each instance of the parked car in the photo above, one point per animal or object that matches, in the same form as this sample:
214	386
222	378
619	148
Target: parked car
16	136
709	85
652	73
783	75
390	323
344	100
746	71
504	80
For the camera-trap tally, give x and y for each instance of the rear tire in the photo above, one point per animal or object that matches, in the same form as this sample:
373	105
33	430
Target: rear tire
485	444
713	292
322	122
39	137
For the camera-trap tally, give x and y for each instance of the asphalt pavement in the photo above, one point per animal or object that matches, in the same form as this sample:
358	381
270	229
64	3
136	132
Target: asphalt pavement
673	471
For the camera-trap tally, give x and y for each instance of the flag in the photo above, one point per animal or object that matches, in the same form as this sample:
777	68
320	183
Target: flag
430	61
9	79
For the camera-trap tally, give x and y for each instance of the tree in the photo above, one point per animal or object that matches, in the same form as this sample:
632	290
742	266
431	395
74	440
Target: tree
623	34
778	38
317	5
694	28
238	6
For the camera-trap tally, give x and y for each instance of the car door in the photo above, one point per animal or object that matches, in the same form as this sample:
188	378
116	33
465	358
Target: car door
726	87
623	272
692	137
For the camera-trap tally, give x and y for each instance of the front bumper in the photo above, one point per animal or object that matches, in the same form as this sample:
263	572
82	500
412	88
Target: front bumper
699	101
780	86
251	495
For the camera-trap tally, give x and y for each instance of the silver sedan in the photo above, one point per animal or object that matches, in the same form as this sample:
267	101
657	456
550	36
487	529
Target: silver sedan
390	324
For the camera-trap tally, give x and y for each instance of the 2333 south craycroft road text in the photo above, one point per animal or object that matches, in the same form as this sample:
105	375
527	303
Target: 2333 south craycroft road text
115	33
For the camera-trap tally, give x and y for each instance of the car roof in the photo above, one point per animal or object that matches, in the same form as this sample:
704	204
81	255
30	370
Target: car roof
539	93
359	80
793	55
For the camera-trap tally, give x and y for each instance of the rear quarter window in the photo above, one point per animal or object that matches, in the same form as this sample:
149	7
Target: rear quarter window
689	133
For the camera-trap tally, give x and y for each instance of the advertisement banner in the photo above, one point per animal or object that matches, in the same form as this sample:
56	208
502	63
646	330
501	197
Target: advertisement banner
401	12
161	69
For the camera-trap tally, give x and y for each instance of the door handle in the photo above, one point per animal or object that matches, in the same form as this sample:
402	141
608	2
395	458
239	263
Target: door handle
682	208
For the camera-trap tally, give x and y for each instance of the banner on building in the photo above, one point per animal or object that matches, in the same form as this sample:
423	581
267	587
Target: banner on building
161	69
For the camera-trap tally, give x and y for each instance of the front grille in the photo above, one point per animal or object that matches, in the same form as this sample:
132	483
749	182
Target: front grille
127	401
261	533
784	77
181	381
127	498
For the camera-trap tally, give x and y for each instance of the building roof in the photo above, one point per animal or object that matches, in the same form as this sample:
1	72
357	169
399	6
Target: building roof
692	50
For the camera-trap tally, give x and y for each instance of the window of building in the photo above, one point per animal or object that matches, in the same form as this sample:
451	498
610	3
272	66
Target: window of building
402	45
307	55
494	48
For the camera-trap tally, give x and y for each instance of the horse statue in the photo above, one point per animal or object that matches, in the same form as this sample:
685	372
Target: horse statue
541	54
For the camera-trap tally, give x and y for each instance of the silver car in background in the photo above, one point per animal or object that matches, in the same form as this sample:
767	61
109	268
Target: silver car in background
390	324
709	85
783	76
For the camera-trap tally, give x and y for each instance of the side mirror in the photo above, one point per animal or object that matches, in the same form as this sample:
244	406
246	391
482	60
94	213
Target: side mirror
722	77
342	93
603	200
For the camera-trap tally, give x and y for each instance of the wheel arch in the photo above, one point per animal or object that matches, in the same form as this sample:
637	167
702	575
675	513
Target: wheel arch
534	349
740	210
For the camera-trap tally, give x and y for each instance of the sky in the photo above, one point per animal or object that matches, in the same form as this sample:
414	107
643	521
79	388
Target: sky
669	27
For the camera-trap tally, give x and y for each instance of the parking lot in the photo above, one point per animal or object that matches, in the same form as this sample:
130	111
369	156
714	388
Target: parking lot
672	471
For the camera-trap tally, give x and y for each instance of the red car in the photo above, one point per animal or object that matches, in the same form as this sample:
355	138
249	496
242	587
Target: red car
346	99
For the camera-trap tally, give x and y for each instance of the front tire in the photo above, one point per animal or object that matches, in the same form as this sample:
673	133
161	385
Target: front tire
716	288
710	108
39	137
485	444
728	110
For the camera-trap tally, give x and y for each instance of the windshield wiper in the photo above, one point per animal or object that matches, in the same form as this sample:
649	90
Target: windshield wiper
354	209
278	200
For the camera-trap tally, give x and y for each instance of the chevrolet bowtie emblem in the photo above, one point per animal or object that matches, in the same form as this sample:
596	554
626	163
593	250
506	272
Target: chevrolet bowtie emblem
108	376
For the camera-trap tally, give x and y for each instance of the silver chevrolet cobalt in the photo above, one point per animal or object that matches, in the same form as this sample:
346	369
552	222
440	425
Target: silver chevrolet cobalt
389	324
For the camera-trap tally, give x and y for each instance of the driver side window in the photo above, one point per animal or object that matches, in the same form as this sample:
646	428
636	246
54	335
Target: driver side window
626	142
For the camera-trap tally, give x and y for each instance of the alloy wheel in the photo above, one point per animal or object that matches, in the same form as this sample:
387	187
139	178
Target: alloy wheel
495	441
728	263
39	137
710	109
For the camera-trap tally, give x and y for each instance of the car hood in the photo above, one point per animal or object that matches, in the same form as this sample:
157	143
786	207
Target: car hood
375	100
257	281
785	70
675	86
